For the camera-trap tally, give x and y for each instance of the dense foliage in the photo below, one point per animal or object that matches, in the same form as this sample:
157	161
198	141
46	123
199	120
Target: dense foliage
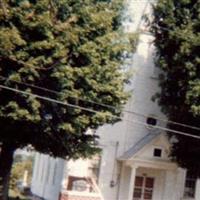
176	27
74	47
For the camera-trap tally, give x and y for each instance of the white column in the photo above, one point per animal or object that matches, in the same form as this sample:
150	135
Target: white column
132	183
170	186
47	170
35	168
180	182
38	184
52	170
40	168
44	174
123	183
64	175
197	192
35	179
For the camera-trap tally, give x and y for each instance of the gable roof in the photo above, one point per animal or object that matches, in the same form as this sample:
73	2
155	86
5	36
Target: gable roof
139	145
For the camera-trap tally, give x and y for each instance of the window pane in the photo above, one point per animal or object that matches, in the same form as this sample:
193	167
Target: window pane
137	193
148	195
190	184
139	181
149	182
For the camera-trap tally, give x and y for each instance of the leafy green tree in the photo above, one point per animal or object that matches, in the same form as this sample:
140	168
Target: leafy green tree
74	47
177	38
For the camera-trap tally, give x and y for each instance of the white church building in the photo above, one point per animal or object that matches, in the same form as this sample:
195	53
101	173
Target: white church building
134	163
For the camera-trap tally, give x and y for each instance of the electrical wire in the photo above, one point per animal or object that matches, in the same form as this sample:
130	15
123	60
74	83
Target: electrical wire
102	104
162	28
95	111
108	106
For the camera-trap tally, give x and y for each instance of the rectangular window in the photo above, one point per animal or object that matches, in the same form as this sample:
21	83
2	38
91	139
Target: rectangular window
190	185
138	187
143	189
157	152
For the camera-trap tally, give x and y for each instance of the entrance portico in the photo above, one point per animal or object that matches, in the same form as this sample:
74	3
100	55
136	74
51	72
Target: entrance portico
150	181
145	176
143	188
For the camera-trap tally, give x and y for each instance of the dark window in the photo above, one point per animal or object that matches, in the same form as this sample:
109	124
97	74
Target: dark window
190	184
157	152
151	121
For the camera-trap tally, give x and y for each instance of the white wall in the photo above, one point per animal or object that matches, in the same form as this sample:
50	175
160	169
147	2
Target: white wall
47	176
143	86
78	167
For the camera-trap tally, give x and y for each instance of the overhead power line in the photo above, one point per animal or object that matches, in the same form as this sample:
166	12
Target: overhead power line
102	104
95	111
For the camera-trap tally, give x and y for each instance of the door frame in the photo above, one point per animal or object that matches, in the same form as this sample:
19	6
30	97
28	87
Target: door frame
143	186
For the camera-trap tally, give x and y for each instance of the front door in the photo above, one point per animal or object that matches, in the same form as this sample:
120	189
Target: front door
143	189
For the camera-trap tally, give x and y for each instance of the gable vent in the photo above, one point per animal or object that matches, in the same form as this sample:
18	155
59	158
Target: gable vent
157	152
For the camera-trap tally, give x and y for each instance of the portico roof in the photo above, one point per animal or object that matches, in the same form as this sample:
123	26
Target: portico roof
139	145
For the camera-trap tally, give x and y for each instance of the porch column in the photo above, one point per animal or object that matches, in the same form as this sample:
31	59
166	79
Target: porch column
124	182
132	183
180	182
170	185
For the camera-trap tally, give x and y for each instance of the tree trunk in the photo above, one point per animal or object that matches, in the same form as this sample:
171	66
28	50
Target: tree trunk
6	160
